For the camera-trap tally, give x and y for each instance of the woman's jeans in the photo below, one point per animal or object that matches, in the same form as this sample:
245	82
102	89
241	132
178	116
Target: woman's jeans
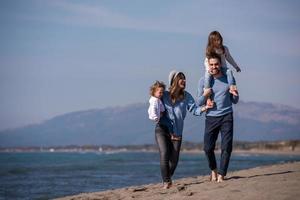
168	150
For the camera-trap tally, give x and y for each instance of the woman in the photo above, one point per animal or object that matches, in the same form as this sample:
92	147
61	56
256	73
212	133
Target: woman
176	101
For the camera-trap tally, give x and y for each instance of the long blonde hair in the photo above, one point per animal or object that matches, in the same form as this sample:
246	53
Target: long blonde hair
212	44
177	93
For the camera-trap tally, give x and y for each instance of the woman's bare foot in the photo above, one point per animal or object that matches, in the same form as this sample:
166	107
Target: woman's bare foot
220	178
167	185
213	176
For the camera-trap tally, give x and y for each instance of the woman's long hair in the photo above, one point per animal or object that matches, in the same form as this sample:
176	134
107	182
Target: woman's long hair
212	43
177	93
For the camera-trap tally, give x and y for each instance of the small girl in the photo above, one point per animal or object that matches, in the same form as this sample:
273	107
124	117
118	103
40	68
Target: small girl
215	44
156	107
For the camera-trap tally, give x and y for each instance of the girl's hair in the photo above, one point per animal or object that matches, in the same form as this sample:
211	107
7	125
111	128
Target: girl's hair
176	93
155	86
212	44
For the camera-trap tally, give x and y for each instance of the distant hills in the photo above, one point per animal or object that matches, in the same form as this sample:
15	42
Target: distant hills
129	125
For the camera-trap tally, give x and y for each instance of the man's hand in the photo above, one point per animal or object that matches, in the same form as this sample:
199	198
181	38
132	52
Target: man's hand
210	104
206	92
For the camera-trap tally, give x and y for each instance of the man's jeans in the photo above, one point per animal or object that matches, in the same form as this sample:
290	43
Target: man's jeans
214	125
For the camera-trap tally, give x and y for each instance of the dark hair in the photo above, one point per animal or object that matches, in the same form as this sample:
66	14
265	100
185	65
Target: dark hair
214	55
212	45
176	93
155	86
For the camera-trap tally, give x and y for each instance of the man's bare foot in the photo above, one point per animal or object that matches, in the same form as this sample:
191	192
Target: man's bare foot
213	176
220	178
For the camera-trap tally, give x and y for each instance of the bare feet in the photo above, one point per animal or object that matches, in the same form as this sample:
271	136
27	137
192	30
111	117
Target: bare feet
233	90
213	176
167	185
175	138
220	178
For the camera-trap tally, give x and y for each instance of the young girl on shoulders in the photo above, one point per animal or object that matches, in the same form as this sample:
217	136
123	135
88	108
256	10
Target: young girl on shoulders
215	45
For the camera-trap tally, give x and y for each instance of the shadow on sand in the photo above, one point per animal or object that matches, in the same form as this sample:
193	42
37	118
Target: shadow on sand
270	174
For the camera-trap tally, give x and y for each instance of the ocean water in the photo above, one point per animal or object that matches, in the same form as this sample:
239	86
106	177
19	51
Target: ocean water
50	175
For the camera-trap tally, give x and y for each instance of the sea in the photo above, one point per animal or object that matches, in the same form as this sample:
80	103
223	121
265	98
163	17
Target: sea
50	175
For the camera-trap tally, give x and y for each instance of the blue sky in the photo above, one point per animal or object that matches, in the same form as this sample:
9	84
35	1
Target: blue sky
64	56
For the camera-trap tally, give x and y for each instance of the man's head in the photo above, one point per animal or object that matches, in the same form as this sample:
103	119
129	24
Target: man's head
214	64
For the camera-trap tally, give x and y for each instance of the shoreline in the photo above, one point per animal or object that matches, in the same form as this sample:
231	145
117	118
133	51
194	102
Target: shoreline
276	182
251	151
184	151
260	147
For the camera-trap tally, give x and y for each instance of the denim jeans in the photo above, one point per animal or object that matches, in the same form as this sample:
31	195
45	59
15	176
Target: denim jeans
168	151
214	125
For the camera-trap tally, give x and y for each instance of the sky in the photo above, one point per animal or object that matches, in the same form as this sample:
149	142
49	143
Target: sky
63	56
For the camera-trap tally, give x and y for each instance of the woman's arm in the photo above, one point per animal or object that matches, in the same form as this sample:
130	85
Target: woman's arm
192	106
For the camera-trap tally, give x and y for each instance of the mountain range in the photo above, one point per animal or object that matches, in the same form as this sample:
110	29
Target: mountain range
130	125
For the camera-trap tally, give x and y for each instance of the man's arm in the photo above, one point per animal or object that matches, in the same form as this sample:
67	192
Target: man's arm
202	93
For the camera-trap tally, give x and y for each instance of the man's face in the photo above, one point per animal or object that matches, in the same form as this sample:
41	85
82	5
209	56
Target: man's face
214	66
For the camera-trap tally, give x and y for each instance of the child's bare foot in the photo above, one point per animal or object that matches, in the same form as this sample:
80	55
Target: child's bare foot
233	90
213	176
175	138
220	178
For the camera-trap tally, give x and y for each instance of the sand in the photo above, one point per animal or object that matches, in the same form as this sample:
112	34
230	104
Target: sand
275	182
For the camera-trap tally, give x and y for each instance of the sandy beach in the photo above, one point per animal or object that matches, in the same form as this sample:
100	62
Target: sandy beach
274	182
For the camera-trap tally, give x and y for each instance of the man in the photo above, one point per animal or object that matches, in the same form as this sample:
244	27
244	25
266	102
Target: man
219	117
